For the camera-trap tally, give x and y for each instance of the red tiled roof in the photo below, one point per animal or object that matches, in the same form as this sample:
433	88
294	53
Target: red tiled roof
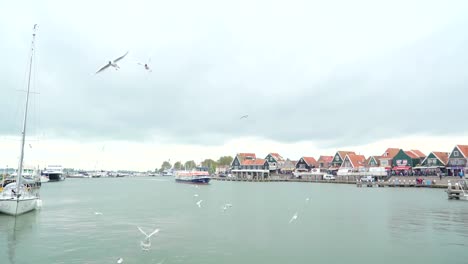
277	156
244	155
418	153
411	154
344	153
391	152
357	160
253	162
310	161
442	156
325	159
463	149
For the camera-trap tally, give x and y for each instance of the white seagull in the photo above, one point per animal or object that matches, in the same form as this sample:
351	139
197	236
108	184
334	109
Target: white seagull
195	195
120	260
112	63
293	218
307	199
150	235
199	203
97	213
244	116
146	65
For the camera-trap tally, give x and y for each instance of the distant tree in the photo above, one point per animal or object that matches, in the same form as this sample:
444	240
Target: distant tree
165	166
178	166
211	164
190	164
225	161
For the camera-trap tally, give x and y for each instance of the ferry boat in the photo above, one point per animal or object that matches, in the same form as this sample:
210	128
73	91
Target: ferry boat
54	173
199	175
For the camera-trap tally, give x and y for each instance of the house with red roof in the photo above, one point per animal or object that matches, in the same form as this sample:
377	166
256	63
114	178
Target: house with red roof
353	162
433	164
275	162
436	159
338	158
373	161
246	165
386	159
324	162
306	164
457	161
405	160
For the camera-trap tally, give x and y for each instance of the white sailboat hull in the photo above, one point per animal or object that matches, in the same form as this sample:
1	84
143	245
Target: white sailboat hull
13	206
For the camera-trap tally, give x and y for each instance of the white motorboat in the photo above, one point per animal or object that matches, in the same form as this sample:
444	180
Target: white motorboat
458	190
18	197
44	178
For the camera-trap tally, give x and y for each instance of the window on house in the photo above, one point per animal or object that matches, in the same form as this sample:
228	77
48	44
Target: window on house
455	153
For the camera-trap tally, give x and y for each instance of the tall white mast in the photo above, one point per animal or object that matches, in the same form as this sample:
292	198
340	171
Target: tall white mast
23	133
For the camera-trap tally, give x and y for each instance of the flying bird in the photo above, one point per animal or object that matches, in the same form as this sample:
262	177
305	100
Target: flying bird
244	116
293	218
112	63
150	235
97	213
195	195
120	260
146	65
199	203
307	199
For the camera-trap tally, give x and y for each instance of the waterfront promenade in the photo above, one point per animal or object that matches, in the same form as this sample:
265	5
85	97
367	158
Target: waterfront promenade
394	181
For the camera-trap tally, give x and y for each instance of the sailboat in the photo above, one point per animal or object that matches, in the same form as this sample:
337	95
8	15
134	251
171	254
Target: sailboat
17	197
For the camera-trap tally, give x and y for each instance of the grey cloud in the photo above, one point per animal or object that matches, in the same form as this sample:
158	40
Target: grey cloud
292	87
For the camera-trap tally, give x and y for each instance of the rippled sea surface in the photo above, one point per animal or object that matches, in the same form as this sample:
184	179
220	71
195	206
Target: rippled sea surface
339	224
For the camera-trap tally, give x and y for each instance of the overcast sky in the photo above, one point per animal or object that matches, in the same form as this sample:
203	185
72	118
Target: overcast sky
313	76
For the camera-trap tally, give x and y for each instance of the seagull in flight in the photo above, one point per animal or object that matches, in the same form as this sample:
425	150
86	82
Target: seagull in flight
112	63
199	203
150	235
120	261
195	195
97	213
307	199
244	116
293	218
146	65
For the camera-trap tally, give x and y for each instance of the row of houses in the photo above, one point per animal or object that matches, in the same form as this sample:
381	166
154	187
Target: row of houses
393	161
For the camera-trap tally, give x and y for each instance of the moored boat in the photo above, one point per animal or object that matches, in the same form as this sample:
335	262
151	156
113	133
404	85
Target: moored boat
19	196
458	190
54	173
199	175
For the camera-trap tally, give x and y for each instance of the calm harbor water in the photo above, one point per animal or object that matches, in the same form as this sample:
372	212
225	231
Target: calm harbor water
340	224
